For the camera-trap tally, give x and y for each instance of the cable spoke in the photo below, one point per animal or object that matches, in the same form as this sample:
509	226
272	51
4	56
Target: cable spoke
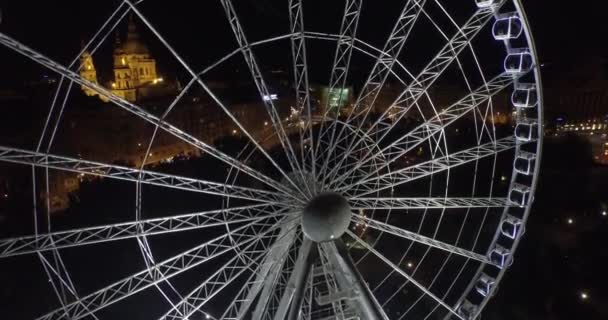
128	230
410	96
130	174
433	166
52	65
161	271
426	203
403	273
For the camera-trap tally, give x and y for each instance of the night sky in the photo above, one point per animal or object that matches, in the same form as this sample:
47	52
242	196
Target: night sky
559	270
566	34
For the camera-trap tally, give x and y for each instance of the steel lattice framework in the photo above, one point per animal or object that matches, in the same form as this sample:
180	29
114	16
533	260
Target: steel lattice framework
437	186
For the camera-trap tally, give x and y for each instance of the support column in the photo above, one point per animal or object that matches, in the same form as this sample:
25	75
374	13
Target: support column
272	264
349	278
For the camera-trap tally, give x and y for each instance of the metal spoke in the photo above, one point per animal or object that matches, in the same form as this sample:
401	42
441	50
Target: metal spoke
270	283
404	274
214	97
436	124
127	230
161	271
130	174
434	166
247	258
57	271
384	64
302	87
52	65
263	278
410	96
339	71
348	278
253	258
412	236
331	283
427	203
263	91
298	278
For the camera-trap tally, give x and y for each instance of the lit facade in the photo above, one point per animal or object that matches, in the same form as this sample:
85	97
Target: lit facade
134	68
591	126
88	72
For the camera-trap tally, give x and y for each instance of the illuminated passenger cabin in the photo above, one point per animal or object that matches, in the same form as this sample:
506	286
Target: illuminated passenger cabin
507	26
486	3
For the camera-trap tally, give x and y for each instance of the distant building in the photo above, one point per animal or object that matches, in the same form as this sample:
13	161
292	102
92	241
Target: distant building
88	72
336	98
134	69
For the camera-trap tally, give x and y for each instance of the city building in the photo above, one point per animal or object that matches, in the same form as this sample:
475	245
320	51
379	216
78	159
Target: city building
88	72
135	74
578	106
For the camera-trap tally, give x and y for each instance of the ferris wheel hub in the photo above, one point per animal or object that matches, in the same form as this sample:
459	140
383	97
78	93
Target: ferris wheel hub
326	217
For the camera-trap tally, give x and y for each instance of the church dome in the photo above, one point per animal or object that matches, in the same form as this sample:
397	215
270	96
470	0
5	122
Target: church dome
133	45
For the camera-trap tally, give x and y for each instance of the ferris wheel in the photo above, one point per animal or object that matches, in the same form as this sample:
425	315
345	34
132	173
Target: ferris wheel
405	198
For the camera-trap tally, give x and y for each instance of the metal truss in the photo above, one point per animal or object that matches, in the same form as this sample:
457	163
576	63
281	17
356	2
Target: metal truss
295	287
439	64
280	261
247	258
214	97
384	64
263	255
329	293
410	96
262	88
352	288
385	227
129	174
434	166
52	65
127	230
436	124
302	86
263	280
426	203
163	270
404	274
339	71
